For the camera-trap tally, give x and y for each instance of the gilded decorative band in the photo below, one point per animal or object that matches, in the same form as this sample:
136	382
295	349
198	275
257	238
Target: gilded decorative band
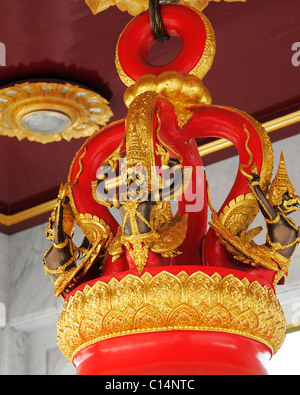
166	302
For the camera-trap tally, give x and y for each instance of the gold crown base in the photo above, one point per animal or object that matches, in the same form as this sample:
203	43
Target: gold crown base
189	300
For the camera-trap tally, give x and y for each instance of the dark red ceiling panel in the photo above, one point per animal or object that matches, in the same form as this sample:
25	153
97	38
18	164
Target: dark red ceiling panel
62	40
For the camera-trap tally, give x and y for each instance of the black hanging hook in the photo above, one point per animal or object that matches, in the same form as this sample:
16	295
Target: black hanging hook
156	21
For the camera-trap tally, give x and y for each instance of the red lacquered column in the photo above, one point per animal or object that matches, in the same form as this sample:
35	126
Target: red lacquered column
174	353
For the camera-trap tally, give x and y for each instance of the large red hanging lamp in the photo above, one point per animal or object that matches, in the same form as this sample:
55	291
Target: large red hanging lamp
158	292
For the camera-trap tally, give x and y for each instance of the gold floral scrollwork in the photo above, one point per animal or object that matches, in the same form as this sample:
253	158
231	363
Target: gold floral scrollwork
97	235
239	214
182	91
94	228
244	249
166	302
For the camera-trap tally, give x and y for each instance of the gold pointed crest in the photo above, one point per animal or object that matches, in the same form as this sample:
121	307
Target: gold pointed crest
281	184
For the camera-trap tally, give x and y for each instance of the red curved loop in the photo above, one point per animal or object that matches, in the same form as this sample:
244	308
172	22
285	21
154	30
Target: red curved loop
85	167
180	21
228	123
219	122
208	121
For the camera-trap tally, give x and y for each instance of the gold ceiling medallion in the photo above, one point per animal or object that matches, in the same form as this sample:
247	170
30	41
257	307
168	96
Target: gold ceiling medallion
135	7
46	112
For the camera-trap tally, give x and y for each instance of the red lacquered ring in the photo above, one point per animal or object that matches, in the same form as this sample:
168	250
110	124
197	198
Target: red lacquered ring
193	28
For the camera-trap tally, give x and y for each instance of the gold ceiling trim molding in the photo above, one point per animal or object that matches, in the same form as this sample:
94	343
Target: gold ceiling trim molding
270	126
275	124
14	219
293	328
45	112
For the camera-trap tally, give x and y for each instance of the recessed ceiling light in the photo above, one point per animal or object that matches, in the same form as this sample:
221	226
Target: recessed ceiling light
46	122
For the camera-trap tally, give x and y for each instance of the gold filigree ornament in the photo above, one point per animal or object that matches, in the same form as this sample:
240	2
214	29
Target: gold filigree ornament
45	112
166	302
135	7
244	249
182	91
95	229
231	227
281	184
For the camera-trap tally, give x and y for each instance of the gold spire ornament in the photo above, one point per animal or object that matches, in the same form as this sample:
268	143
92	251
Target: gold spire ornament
152	225
281	184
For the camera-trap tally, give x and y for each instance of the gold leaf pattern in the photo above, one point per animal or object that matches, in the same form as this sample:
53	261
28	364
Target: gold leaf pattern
166	302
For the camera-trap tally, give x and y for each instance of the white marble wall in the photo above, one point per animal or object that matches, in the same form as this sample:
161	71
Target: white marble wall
4	265
4	290
28	343
30	288
221	177
29	339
